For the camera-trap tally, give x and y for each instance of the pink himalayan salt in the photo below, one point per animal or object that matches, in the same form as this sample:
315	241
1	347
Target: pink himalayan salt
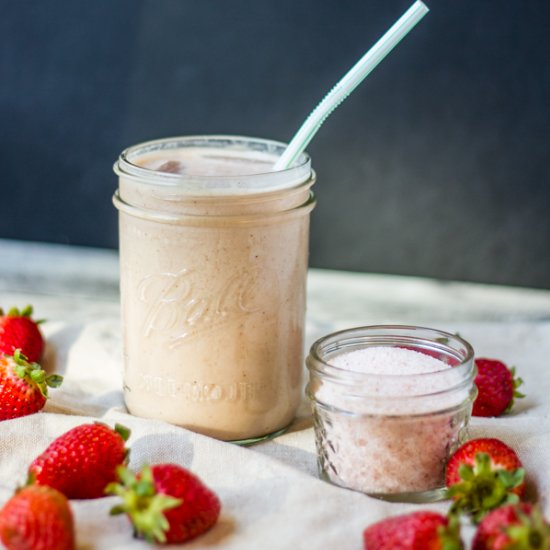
390	446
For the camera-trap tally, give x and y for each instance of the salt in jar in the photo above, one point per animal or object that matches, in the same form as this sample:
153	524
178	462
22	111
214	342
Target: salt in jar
390	404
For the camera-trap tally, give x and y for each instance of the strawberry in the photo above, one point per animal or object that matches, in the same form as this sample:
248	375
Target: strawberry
420	530
37	518
497	386
19	331
81	462
482	475
166	503
23	386
519	526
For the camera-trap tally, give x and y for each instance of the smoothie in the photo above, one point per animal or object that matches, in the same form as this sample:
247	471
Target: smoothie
213	252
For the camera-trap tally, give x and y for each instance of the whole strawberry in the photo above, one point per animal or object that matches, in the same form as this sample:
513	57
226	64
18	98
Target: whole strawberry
37	518
421	530
19	331
519	526
482	475
23	386
497	387
83	461
166	503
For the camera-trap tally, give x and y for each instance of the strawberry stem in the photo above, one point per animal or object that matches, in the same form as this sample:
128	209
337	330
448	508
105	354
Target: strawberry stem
142	503
16	312
54	380
27	311
483	488
123	431
34	373
517	382
449	535
532	531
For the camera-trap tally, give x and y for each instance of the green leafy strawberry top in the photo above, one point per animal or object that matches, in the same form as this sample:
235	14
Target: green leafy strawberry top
142	502
483	488
34	373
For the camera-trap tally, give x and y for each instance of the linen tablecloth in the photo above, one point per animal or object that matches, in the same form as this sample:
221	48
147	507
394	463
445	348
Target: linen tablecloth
271	495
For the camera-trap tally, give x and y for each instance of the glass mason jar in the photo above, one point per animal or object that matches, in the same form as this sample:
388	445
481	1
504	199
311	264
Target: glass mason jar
213	258
388	429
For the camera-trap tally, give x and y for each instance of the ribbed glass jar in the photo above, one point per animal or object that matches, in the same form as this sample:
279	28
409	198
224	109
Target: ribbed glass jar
387	428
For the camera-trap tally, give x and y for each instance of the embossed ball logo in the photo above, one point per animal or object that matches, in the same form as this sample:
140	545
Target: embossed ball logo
183	304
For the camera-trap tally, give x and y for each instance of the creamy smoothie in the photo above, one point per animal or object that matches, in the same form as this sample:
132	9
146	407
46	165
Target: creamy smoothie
213	251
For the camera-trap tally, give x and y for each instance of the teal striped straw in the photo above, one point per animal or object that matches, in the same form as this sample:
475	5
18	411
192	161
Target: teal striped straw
349	82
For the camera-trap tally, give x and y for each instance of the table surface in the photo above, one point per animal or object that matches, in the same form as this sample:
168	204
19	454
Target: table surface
78	287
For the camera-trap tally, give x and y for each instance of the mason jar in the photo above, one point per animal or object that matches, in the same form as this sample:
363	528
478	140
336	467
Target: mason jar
390	405
213	263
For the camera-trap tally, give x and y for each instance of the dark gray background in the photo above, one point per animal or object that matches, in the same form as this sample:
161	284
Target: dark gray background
438	165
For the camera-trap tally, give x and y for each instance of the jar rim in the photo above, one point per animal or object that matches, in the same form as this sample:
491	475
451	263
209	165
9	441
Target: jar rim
299	172
388	336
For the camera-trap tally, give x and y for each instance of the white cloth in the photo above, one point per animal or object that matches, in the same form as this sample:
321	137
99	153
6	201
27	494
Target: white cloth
271	495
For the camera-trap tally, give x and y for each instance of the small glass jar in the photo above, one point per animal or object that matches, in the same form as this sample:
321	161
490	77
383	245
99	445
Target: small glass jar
388	432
